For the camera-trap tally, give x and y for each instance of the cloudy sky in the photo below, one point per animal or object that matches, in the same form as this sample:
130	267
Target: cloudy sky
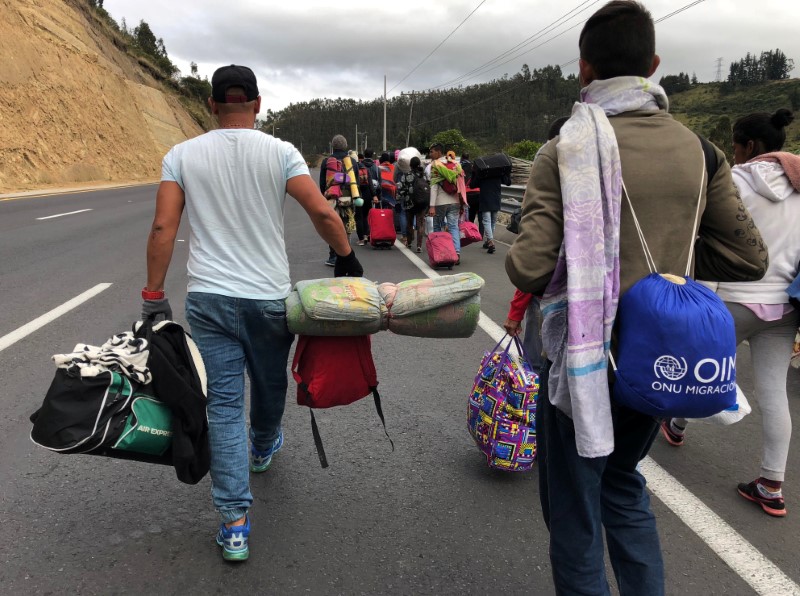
305	49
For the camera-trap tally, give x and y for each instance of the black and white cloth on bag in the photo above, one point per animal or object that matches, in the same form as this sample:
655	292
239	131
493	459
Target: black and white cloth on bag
124	353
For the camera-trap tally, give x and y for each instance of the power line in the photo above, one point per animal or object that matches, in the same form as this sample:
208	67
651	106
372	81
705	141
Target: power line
487	66
517	86
439	46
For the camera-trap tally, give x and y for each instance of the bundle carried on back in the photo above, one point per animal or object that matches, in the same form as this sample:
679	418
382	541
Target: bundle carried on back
446	307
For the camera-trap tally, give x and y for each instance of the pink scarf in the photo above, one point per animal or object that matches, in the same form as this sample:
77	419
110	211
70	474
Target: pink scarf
789	162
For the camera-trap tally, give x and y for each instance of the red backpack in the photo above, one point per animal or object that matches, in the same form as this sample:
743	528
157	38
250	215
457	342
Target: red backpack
450	187
363	176
335	178
334	371
388	187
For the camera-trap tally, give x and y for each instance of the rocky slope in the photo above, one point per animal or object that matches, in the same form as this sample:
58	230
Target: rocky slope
74	108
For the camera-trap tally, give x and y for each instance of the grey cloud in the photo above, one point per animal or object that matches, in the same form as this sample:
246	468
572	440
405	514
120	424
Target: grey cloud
299	51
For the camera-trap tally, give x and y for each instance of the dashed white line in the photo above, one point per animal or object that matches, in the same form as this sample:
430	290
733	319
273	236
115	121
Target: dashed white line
63	214
743	558
39	322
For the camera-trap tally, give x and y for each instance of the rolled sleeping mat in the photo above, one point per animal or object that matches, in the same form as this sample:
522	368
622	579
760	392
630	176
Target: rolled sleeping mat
300	323
456	320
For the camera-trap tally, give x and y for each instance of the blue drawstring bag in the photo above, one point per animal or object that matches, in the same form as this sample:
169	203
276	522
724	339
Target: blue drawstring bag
676	343
677	349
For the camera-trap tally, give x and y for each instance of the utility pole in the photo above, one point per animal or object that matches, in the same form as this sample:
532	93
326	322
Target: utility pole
410	111
718	78
384	112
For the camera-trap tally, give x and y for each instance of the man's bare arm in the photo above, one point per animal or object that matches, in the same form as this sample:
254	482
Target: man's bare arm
170	201
326	221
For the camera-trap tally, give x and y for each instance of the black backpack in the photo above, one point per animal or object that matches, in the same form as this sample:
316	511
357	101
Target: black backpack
421	194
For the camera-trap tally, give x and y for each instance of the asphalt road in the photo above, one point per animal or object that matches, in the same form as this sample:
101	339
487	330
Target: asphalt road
428	518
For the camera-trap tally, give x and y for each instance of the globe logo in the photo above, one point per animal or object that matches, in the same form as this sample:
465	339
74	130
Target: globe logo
670	368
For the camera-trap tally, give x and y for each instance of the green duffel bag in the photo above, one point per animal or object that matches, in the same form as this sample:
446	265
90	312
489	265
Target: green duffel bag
148	428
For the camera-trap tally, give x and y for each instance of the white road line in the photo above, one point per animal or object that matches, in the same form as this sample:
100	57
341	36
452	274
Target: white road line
743	558
38	323
63	214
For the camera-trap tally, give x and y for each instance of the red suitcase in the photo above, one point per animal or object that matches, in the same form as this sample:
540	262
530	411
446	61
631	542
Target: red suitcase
441	250
381	228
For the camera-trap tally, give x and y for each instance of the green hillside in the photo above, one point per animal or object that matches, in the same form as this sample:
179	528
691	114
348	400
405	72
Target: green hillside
703	106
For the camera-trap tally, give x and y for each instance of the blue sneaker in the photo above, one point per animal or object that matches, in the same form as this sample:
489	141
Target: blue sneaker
233	541
261	460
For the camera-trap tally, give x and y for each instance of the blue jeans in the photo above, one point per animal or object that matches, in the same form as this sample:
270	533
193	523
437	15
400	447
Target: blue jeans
581	496
532	336
403	222
234	335
448	213
489	219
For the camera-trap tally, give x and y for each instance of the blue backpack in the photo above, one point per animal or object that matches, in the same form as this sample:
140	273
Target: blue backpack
676	344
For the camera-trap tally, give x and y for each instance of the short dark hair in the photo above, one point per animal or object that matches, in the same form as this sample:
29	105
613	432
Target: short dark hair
368	153
619	40
415	163
437	146
464	156
384	157
769	129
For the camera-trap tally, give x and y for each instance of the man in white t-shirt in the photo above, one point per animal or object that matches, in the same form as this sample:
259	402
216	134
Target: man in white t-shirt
233	183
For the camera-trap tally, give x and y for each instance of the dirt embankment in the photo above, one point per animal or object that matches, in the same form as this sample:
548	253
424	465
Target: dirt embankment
73	107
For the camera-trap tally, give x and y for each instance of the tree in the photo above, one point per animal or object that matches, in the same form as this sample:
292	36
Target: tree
524	149
193	67
145	40
721	136
675	83
769	66
453	140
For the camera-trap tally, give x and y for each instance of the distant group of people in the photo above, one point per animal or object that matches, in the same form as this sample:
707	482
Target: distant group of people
578	250
456	192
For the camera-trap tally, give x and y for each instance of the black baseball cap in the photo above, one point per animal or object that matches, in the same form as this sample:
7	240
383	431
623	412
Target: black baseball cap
226	77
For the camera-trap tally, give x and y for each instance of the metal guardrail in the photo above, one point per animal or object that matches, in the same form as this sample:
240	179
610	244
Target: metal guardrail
511	197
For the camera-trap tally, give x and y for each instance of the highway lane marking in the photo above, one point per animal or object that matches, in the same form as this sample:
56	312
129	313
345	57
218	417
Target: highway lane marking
63	214
35	194
38	323
753	567
743	558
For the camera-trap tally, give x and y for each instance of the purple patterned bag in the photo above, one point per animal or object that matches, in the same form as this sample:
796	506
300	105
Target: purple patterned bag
502	409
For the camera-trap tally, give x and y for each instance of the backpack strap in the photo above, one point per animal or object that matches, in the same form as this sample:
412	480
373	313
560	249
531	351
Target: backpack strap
378	408
323	459
651	264
710	154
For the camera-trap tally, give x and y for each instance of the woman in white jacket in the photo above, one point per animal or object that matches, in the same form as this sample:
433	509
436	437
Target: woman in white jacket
769	183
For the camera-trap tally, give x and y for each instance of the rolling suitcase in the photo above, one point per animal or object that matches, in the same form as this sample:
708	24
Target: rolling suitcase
492	166
381	227
441	250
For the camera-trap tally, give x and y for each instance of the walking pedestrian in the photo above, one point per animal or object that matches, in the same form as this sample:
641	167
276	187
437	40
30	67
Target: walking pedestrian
369	186
525	306
490	199
578	245
334	186
769	183
232	182
446	203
